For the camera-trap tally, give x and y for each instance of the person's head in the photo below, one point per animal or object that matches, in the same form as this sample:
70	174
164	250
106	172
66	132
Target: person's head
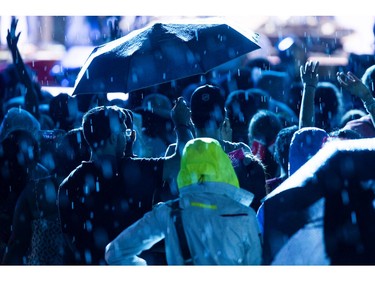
350	115
63	110
368	78
204	160
344	134
19	154
282	144
275	83
328	106
71	150
207	106
251	174
264	127
104	127
19	119
305	143
240	106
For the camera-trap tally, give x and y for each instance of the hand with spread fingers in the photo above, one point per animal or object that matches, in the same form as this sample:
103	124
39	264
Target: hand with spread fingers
12	38
309	74
354	84
357	88
310	79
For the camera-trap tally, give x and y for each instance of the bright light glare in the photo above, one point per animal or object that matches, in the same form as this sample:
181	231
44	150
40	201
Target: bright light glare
119	95
285	43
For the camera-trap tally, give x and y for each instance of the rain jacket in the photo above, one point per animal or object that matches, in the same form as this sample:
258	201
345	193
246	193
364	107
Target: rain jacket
220	227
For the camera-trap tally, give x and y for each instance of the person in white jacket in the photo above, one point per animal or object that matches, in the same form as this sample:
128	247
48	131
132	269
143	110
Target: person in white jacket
220	227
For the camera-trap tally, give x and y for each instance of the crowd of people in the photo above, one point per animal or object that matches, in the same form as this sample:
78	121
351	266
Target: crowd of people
189	172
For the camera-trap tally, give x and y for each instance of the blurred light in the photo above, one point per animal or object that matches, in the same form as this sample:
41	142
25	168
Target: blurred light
54	91
119	95
327	28
285	44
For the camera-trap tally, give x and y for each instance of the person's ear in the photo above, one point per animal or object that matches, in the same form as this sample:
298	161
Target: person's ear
133	136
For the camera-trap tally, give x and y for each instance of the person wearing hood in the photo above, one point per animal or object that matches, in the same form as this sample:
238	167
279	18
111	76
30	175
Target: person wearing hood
220	227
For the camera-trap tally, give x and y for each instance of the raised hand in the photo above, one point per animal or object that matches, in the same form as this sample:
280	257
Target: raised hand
12	38
309	73
354	85
181	113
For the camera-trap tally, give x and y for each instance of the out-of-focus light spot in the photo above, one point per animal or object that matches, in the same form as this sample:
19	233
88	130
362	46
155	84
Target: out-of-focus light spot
117	95
285	44
327	28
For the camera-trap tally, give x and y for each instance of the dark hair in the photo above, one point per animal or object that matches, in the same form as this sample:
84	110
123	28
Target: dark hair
207	106
71	150
264	126
347	134
329	105
100	122
368	78
282	143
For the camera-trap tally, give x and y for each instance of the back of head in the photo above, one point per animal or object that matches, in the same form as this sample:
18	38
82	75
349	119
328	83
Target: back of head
251	174
71	150
100	122
350	115
204	160
264	127
63	110
282	144
207	106
261	97
328	106
19	119
305	143
368	78
276	83
240	106
158	104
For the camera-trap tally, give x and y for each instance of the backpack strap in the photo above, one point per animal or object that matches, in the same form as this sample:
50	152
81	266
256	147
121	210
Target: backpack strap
184	247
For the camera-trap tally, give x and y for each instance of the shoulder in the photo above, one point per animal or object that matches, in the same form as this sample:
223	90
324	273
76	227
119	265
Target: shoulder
231	146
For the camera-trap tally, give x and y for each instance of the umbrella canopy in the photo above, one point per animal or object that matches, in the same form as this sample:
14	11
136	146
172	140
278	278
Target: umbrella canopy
324	213
162	52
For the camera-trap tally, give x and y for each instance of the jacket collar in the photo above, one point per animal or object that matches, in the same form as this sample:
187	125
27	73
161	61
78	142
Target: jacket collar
240	195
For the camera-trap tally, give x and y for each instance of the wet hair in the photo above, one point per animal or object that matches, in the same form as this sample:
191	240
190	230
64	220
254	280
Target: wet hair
282	143
100	122
207	106
351	114
71	150
264	126
347	134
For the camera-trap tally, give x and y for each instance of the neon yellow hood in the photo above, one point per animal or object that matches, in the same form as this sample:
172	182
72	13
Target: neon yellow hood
203	160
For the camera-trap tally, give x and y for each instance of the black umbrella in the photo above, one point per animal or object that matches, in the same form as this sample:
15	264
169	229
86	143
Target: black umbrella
162	52
324	213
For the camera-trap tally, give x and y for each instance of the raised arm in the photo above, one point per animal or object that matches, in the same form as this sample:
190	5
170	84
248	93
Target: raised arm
181	117
31	96
357	88
310	78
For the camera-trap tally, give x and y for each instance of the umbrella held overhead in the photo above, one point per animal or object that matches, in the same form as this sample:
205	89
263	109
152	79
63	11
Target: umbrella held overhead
162	52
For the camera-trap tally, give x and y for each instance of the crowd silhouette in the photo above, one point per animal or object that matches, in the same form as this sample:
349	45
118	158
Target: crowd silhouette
254	161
